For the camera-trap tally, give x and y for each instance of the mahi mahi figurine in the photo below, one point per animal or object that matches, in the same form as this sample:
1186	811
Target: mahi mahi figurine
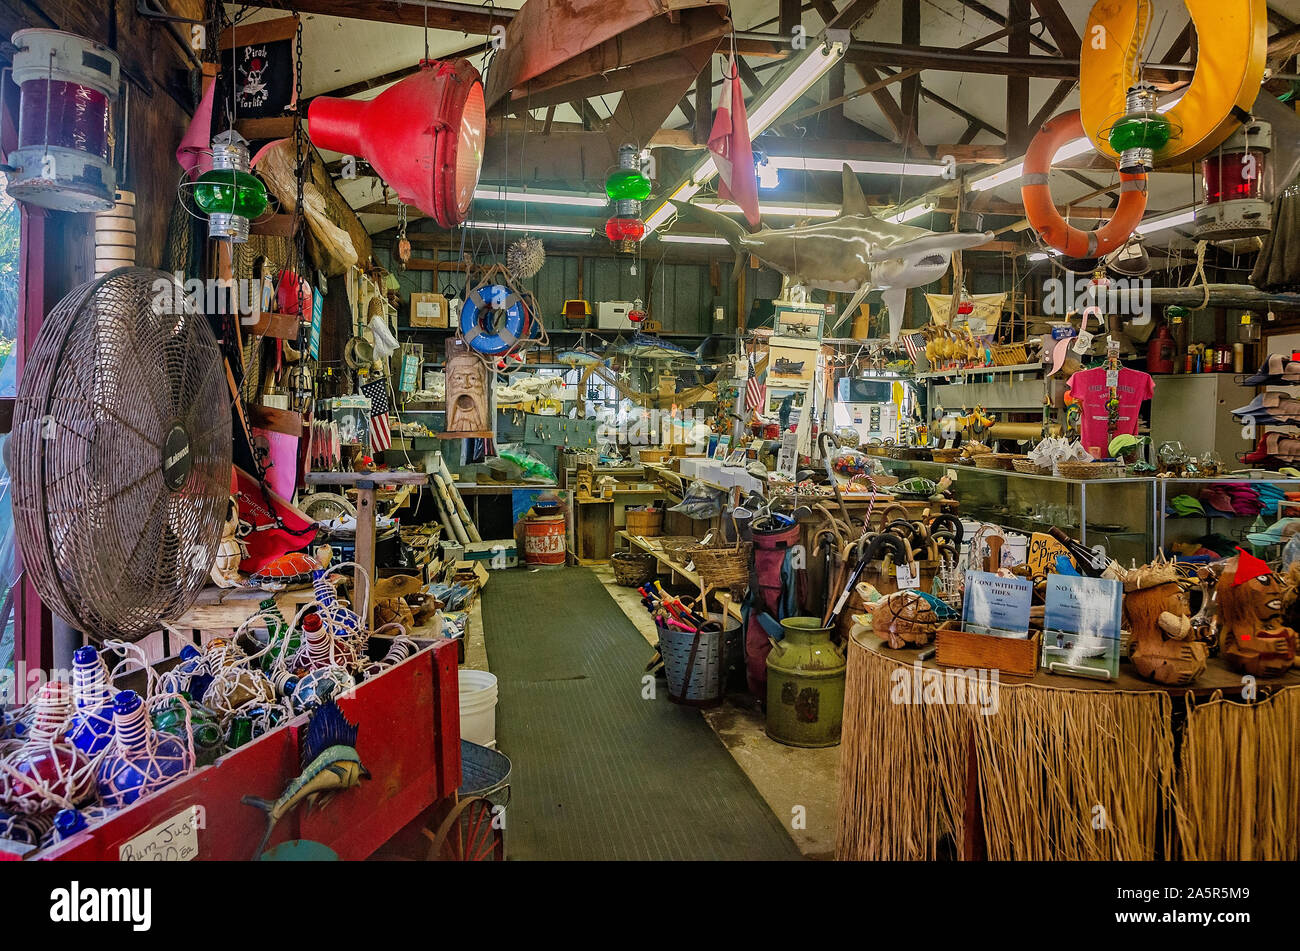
328	752
853	253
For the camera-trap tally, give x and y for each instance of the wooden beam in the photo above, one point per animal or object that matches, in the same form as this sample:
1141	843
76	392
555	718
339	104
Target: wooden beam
993	16
910	94
704	103
1018	133
458	18
884	99
1059	25
1051	104
790	15
899	76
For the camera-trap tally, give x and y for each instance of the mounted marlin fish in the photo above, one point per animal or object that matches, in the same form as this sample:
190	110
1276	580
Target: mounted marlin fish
853	253
328	753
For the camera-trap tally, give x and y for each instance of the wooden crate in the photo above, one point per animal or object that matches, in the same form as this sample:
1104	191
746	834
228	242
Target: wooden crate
1009	655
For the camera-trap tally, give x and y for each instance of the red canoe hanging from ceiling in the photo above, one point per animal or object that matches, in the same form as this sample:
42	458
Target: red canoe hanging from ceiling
558	51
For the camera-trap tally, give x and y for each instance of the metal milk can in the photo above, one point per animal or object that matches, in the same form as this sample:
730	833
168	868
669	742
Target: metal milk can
805	685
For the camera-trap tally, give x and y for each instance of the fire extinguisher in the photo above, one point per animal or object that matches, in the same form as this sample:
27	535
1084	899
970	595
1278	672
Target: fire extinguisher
1160	351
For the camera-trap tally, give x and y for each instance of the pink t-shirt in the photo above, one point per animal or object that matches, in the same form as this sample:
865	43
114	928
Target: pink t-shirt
1089	388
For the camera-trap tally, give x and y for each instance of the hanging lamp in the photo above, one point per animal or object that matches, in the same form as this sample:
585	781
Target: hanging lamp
627	186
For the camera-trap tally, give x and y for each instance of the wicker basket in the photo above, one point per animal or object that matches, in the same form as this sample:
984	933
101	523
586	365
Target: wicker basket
1010	355
648	523
945	455
1089	470
653	456
1029	467
633	568
720	565
996	460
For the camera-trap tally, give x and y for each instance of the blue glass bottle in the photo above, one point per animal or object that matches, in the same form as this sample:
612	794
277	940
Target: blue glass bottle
91	728
141	759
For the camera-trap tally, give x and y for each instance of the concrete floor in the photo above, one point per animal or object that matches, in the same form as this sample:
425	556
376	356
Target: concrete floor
800	786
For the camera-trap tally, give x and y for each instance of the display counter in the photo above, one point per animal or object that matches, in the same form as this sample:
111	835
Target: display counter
1118	513
937	764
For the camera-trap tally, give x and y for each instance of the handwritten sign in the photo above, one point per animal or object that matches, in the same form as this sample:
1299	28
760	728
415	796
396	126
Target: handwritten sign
174	840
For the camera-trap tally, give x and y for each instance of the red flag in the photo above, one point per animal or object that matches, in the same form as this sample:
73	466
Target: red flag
733	152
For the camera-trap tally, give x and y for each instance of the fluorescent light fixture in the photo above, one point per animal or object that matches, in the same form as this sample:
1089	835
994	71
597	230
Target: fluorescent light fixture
520	226
691	239
685	192
1165	222
488	193
796	78
907	214
861	166
1071	149
786	211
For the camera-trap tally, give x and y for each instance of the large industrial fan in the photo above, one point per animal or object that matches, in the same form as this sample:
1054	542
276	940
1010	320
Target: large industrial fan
120	454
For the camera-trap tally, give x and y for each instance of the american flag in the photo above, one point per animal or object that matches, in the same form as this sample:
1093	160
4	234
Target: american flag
915	346
755	392
381	437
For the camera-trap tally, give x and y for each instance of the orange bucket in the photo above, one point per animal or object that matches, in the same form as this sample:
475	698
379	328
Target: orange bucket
544	542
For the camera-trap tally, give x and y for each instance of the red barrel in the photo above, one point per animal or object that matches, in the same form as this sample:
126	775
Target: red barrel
544	540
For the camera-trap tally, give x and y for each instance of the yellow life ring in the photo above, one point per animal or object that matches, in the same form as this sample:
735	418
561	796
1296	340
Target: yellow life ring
1232	46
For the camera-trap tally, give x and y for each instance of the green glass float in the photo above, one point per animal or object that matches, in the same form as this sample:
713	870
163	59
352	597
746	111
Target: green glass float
208	741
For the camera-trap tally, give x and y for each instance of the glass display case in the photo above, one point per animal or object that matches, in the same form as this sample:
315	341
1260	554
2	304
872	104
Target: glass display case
1119	514
1225	510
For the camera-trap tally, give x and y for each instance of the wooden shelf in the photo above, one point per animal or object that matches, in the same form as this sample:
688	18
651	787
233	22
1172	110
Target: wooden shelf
677	569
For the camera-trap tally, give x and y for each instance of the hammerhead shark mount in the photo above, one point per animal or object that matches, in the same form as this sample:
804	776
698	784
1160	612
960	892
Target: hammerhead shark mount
855	252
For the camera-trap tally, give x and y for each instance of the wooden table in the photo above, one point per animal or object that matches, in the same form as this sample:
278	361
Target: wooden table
366	484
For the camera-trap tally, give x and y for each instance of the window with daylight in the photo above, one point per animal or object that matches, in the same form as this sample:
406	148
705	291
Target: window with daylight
9	232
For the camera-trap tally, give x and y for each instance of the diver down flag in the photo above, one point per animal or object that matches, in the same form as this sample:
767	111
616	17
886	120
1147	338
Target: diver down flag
733	152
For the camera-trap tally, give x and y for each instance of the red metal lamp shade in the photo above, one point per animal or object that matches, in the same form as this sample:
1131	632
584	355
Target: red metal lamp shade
424	136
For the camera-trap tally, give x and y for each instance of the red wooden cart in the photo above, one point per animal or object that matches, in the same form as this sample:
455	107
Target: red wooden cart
408	738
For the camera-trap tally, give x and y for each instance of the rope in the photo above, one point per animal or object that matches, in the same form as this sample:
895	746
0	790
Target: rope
1200	273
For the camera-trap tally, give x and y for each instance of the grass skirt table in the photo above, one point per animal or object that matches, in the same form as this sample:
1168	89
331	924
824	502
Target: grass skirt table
1062	768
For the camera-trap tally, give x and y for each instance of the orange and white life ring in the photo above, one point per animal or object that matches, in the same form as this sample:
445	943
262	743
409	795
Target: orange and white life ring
1042	213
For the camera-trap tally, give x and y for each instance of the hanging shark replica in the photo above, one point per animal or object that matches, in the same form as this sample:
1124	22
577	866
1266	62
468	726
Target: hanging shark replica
853	253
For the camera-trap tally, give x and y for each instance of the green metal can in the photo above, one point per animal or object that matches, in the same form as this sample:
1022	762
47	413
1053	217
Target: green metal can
805	685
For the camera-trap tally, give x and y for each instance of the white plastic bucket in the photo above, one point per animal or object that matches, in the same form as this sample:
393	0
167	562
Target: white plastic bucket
478	707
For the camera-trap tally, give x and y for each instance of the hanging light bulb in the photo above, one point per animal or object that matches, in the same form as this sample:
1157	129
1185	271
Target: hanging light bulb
627	186
1141	132
230	195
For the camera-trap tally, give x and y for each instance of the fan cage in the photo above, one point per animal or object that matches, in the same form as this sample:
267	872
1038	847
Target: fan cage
120	454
